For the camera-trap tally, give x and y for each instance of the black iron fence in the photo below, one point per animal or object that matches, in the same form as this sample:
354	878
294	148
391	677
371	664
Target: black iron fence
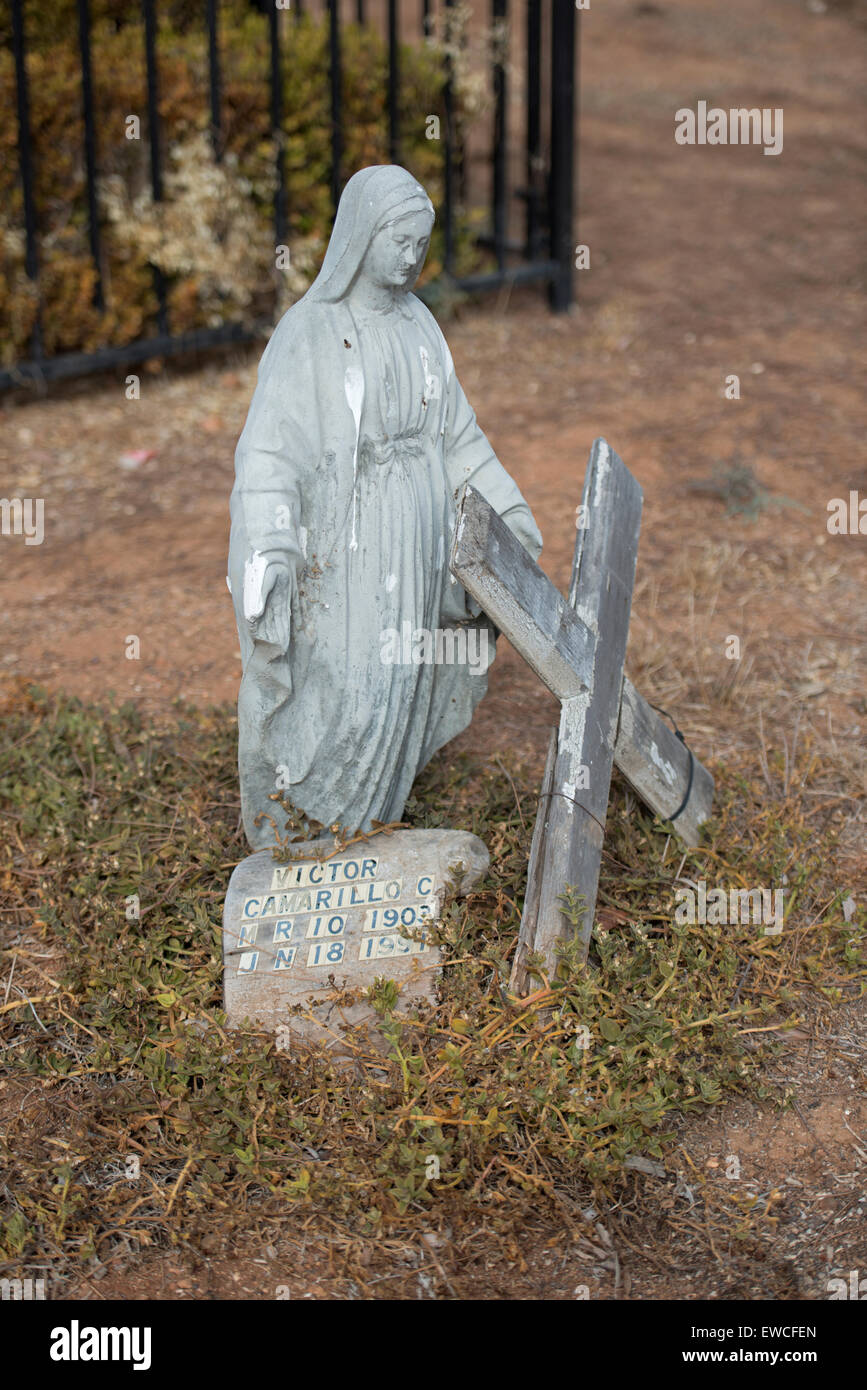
519	163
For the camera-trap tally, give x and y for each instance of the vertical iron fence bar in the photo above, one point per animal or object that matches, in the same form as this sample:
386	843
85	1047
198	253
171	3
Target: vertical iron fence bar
277	125
150	27
214	78
393	85
534	125
562	150
449	145
359	11
90	148
336	112
31	257
462	43
498	154
426	20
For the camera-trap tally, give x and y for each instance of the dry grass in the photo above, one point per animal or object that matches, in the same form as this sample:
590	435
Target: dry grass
115	1048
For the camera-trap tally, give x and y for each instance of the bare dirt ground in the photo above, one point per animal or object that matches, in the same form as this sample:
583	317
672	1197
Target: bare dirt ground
705	262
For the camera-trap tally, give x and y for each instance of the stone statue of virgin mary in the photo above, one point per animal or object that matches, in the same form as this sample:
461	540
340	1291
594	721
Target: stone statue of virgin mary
358	441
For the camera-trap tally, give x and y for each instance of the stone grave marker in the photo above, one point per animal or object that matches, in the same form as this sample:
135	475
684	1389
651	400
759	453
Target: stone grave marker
303	932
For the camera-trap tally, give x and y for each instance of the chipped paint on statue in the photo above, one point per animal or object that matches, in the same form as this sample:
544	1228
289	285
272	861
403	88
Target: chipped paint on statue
358	439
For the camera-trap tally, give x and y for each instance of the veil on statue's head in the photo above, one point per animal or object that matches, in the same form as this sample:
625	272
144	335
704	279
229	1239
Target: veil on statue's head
372	198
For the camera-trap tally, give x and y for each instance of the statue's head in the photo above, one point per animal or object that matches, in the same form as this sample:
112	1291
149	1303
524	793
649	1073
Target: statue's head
381	232
395	256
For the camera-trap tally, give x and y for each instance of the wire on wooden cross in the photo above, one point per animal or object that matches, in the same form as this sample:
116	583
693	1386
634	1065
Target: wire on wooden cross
575	803
683	805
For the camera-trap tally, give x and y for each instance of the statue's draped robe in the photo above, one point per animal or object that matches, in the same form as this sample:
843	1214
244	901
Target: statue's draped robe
363	511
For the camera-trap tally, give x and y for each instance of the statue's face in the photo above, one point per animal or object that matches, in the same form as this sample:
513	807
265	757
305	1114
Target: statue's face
396	254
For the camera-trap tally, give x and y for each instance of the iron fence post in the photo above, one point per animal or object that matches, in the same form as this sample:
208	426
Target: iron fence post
562	175
25	164
336	103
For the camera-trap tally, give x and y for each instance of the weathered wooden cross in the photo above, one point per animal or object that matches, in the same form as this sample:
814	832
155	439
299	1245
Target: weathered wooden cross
578	648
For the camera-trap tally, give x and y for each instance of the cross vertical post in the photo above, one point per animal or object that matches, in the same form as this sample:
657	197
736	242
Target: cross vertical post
573	811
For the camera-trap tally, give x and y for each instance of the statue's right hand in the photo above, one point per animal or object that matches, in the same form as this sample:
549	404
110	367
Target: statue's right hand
273	624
